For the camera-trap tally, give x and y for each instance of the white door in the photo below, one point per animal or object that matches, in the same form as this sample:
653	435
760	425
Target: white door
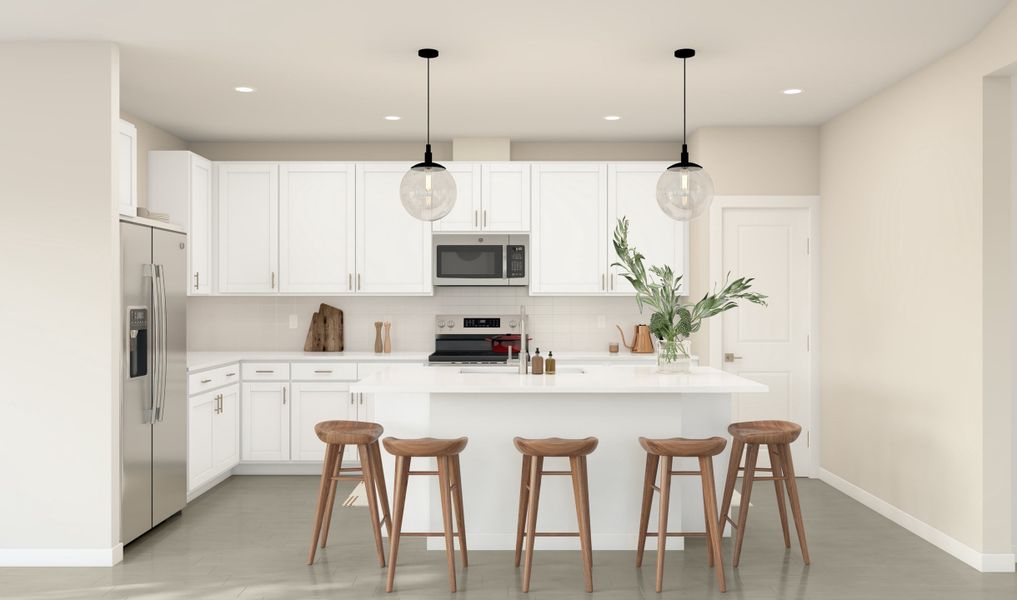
568	219
506	197
200	234
465	215
248	227
771	344
226	430
200	414
393	248
127	176
632	193
265	418
316	227
314	402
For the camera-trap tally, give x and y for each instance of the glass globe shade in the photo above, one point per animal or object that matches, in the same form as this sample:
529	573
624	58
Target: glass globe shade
428	192
684	192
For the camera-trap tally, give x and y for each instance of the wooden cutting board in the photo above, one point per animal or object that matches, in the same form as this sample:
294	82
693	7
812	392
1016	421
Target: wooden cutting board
325	333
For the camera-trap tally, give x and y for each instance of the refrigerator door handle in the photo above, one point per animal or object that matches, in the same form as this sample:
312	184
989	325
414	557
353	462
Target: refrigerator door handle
163	361
149	411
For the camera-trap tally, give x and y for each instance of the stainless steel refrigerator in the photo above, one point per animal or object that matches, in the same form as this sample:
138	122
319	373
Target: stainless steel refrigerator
153	440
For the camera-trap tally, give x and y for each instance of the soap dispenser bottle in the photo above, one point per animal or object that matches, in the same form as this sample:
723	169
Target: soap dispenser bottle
549	364
537	366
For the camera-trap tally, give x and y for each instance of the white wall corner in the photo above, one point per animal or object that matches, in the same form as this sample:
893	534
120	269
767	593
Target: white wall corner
61	557
986	563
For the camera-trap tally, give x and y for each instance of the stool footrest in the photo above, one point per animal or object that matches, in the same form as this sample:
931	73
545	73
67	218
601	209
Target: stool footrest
679	534
686	472
423	472
769	478
348	477
426	533
553	534
556	472
730	520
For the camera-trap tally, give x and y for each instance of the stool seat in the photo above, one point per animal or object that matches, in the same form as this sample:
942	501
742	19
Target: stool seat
352	433
683	447
556	446
765	432
424	447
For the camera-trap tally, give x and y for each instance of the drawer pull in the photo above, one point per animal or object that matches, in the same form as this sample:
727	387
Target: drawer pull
265	371
231	374
206	381
323	371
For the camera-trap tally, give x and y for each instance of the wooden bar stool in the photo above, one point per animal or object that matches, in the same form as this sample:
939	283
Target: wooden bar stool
777	437
660	455
337	435
534	451
450	490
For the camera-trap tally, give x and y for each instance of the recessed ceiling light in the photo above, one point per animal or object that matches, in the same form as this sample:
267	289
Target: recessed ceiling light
792	91
243	89
392	117
612	118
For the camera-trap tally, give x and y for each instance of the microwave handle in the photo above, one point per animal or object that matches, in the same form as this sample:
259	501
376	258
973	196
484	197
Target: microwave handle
504	262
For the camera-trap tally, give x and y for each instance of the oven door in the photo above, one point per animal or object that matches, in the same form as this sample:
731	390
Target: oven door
457	263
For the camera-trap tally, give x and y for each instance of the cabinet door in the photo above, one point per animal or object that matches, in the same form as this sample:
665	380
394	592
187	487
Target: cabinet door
393	248
569	215
265	422
200	232
632	193
466	213
314	402
248	195
506	197
128	169
316	227
226	430
200	466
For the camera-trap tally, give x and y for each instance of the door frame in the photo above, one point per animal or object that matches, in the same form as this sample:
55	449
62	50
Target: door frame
716	245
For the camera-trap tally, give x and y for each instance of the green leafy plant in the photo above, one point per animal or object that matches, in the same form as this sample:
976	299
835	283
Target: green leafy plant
660	288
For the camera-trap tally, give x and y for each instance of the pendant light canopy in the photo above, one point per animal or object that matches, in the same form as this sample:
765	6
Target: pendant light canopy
428	191
685	189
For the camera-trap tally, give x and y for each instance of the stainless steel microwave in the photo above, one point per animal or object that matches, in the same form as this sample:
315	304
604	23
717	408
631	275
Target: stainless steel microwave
465	259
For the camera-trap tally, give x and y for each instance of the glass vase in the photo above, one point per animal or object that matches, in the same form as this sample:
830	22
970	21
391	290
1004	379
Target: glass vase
672	358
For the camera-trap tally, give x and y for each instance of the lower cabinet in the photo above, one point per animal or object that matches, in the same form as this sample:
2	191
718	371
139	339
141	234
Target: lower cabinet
314	402
265	414
213	435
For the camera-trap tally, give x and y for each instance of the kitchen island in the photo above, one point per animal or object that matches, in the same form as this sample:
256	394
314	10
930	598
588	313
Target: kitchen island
491	405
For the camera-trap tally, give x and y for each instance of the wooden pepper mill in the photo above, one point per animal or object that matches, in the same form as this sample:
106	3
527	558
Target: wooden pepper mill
377	337
388	337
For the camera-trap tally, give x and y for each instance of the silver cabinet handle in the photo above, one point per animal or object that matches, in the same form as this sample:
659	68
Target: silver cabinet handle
266	371
284	394
273	280
205	380
361	394
476	219
349	282
351	399
324	371
358	281
196	280
231	374
612	281
485	218
603	281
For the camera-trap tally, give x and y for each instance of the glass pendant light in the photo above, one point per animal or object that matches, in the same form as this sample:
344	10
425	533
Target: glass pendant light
428	190
684	190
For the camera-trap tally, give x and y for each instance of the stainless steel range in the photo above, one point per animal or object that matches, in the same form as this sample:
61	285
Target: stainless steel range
471	339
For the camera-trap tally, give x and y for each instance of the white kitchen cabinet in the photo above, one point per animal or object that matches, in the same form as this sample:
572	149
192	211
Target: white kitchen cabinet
213	434
465	215
127	176
568	249
492	197
248	199
226	430
317	228
265	417
314	402
180	185
393	253
632	193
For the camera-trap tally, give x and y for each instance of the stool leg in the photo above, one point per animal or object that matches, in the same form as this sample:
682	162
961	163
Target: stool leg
792	492
536	466
402	476
713	530
326	469
457	499
367	465
330	503
665	505
523	497
644	515
706	511
729	482
577	464
446	518
743	511
379	482
778	486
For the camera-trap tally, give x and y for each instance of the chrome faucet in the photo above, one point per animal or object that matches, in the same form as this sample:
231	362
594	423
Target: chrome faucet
523	346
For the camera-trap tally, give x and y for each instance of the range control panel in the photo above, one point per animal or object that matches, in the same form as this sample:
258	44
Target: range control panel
494	324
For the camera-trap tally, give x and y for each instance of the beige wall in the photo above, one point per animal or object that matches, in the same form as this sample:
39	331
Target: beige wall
909	393
59	240
150	137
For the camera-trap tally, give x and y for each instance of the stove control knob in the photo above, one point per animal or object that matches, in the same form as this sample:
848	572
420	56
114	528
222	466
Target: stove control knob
513	324
451	324
441	324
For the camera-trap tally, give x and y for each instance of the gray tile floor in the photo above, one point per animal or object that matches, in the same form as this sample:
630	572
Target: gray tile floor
248	538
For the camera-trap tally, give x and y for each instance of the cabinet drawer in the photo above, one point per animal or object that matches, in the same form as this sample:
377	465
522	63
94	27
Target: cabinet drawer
212	378
324	371
266	371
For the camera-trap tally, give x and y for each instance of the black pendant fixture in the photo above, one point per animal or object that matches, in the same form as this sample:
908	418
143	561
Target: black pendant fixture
428	190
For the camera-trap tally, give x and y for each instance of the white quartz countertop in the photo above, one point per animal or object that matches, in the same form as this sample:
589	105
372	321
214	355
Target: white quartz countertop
599	379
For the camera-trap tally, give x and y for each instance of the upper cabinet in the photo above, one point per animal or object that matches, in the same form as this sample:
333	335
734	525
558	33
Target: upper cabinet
492	197
393	254
568	249
127	182
632	193
180	185
317	227
248	196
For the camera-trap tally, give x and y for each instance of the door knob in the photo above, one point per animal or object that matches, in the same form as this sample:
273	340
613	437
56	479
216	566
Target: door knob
730	357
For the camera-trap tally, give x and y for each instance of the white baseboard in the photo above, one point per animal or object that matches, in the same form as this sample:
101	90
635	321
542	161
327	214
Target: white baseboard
986	563
61	557
211	483
280	468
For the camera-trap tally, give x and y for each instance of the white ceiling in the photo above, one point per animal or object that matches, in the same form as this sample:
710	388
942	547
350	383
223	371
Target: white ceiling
524	69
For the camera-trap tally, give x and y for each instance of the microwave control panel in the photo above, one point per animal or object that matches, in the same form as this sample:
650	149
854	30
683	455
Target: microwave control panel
516	261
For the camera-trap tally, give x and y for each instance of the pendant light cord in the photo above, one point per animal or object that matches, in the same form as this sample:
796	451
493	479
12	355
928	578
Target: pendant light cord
684	102
429	102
